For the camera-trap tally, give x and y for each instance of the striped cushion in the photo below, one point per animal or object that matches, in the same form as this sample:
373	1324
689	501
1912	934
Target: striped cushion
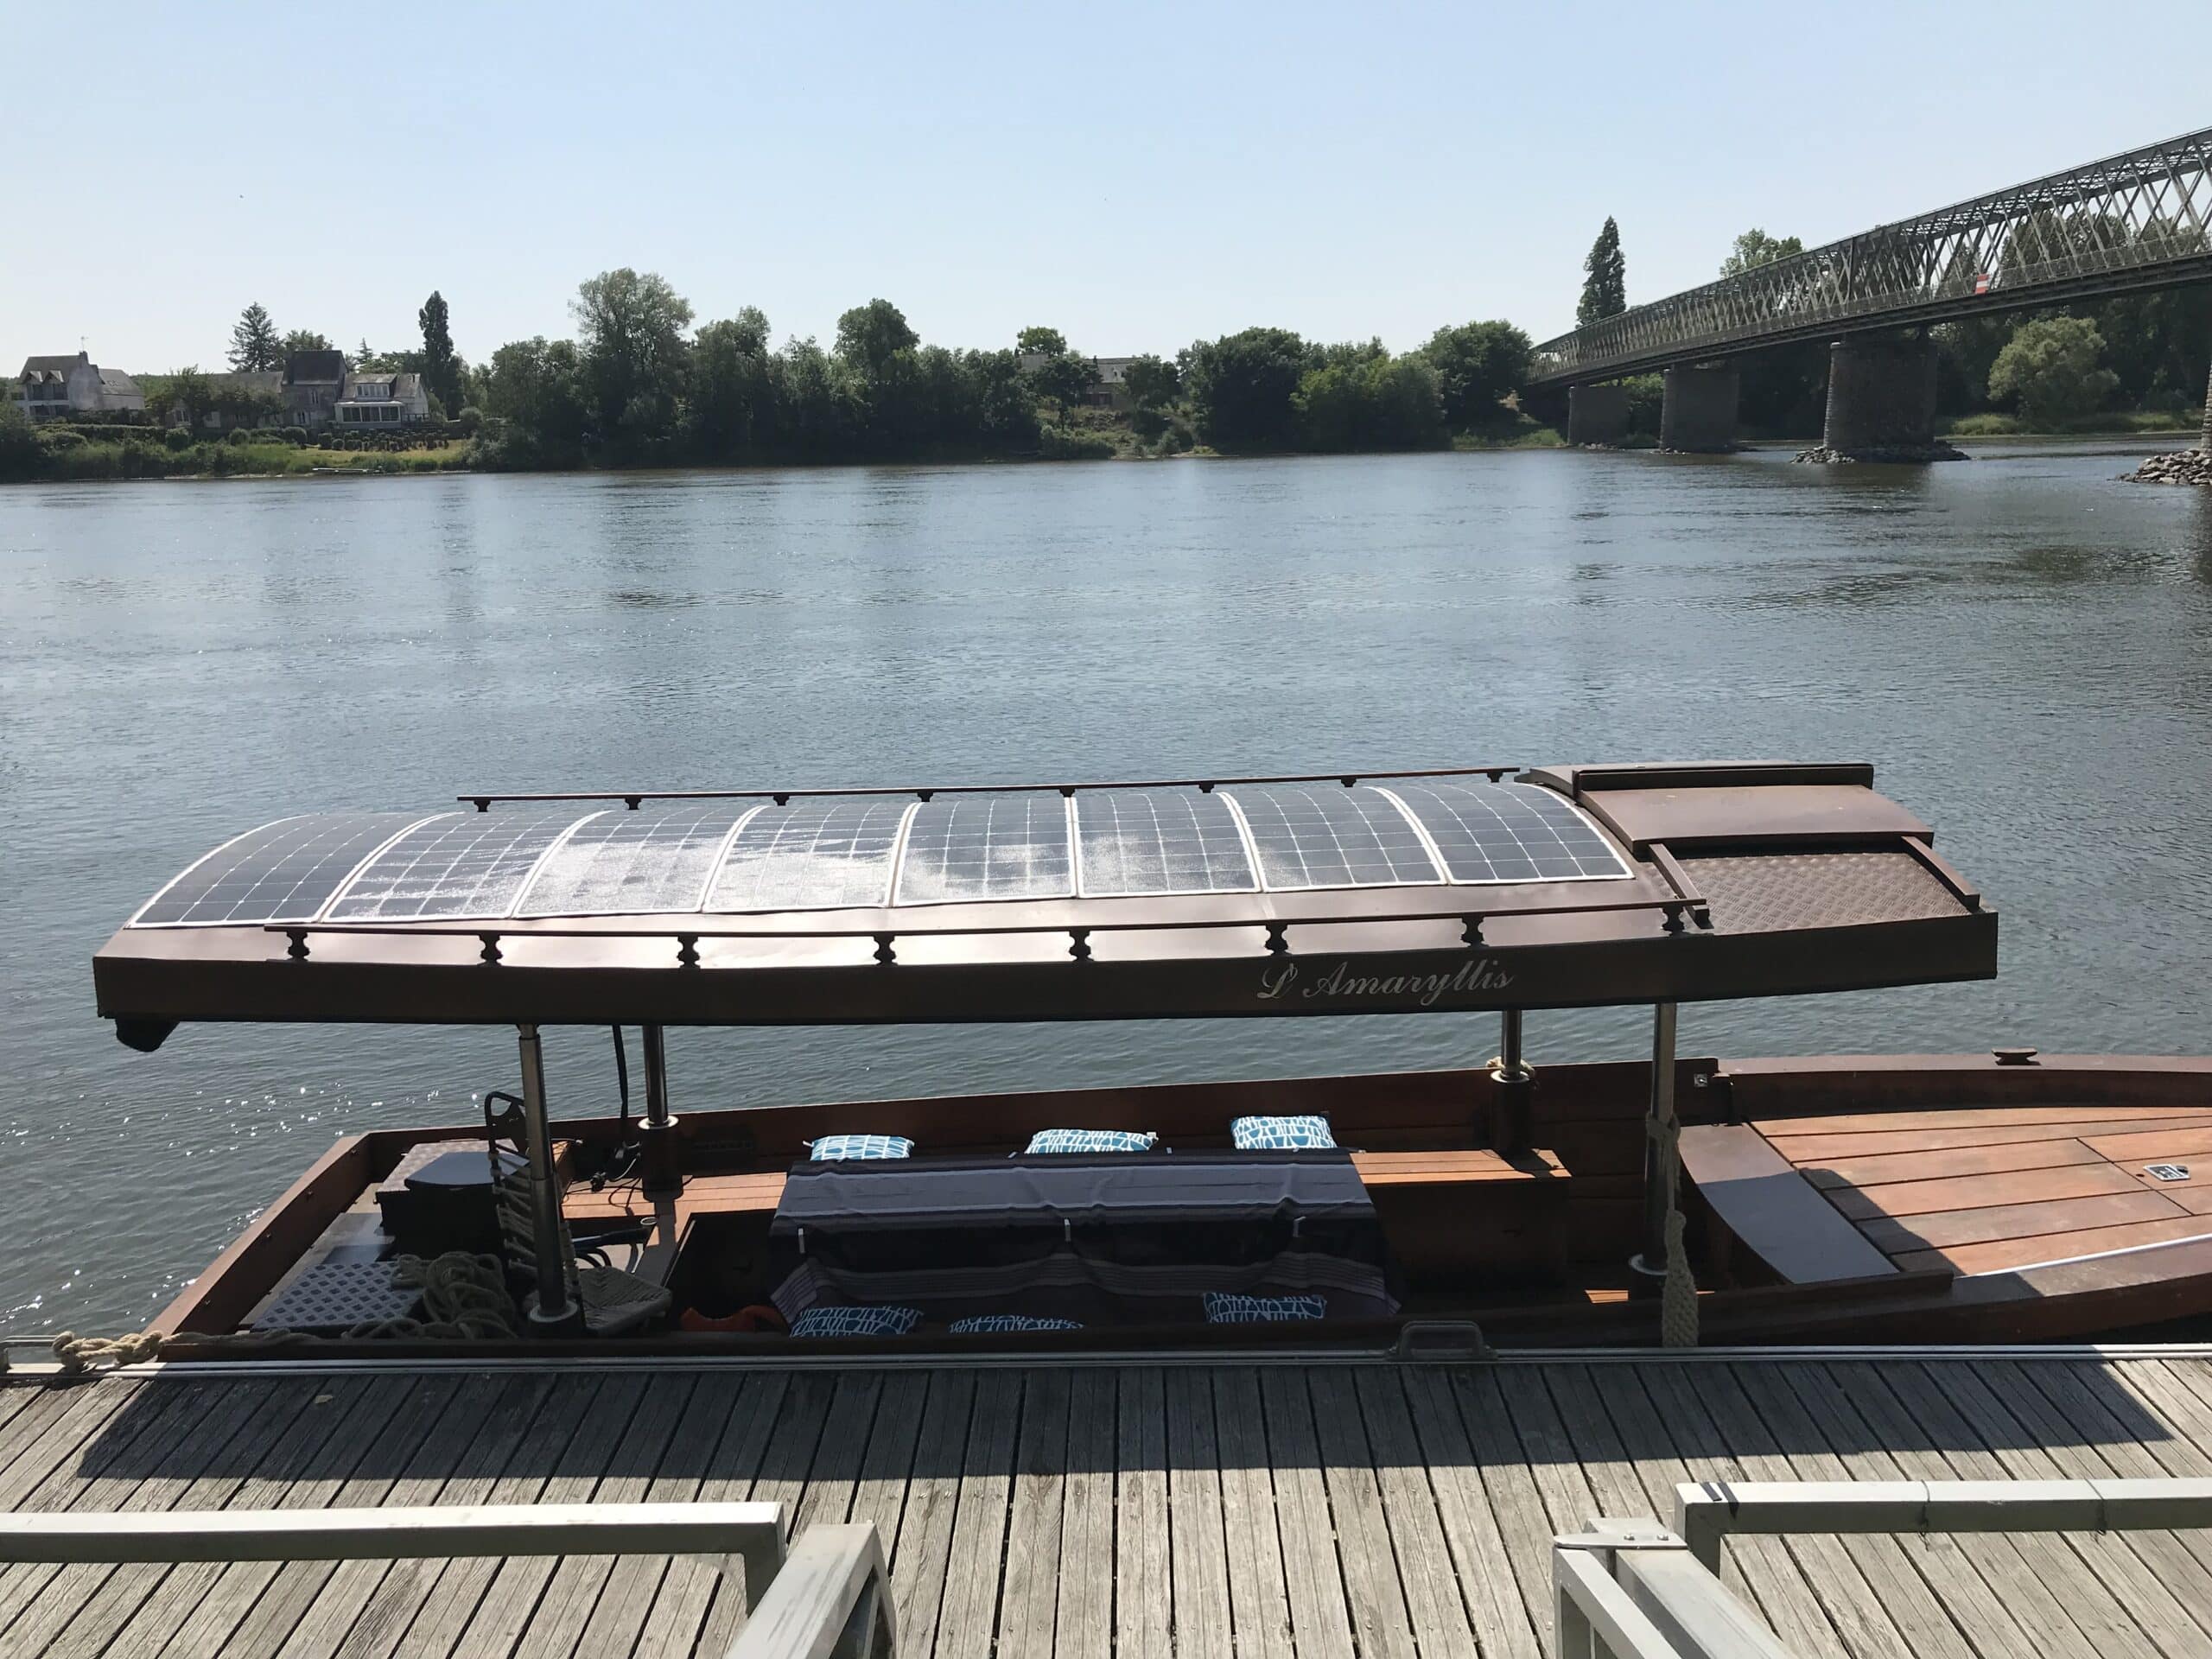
861	1145
857	1321
1092	1140
1279	1134
1227	1308
982	1323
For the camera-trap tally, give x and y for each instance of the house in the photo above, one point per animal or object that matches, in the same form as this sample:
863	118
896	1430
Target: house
1109	378
49	386
314	382
383	400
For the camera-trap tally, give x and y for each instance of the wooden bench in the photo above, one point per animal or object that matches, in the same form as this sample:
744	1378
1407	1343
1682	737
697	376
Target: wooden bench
1771	1210
1458	1219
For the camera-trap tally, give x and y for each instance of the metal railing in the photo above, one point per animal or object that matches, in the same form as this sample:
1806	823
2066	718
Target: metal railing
2132	222
1636	1590
829	1599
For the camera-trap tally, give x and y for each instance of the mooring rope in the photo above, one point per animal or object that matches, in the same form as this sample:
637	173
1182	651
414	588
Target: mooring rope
1678	1292
464	1297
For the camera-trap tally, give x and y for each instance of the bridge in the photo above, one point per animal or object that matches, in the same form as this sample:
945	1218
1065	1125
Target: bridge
2129	224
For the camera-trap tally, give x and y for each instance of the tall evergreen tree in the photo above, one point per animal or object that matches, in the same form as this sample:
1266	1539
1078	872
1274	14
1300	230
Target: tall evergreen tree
254	342
1605	282
440	366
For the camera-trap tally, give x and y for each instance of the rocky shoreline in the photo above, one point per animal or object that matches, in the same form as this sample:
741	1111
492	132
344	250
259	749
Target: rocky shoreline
2177	467
1908	454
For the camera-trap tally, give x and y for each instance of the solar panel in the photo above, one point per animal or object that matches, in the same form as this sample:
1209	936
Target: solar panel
617	863
817	854
282	872
987	847
460	866
1509	832
1153	841
1325	835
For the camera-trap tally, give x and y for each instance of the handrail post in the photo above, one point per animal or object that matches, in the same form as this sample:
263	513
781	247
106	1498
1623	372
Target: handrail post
662	1173
549	1307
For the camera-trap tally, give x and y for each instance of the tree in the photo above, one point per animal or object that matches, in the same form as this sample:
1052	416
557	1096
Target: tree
1241	388
441	366
537	387
189	392
1477	365
634	354
870	338
254	344
732	403
1604	281
1755	248
1041	342
304	340
876	349
1066	377
1151	382
2050	367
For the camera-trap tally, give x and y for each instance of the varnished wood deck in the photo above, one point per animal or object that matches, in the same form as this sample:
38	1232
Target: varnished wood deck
1212	1511
1988	1190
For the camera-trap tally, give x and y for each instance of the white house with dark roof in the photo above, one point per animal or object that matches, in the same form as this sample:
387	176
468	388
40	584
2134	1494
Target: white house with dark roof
383	400
52	386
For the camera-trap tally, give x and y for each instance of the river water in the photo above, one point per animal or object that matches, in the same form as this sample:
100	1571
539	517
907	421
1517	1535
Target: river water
2022	645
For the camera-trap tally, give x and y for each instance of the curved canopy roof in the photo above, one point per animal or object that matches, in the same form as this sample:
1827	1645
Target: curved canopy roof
1170	892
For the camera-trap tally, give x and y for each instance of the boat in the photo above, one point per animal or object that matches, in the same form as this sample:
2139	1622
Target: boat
1998	1196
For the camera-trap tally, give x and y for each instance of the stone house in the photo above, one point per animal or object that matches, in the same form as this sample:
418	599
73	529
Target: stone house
50	386
243	398
314	383
1108	376
383	400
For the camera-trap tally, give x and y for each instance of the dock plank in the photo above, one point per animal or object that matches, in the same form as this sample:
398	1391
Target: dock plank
1084	1610
1143	1593
969	1617
716	1584
924	1545
1258	1599
1028	1605
1510	1487
1314	1581
1380	1617
1434	1602
1198	1553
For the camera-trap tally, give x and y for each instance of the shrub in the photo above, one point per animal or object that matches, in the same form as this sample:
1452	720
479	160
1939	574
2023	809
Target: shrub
1057	443
176	440
469	421
57	439
239	439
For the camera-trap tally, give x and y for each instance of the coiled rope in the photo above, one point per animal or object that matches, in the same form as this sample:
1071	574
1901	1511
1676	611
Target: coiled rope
464	1297
1678	1291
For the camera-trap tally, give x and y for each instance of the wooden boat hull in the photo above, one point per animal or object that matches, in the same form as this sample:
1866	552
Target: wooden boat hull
1841	1199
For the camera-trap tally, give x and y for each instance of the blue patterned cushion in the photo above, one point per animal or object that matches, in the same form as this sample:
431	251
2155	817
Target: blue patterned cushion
1279	1134
857	1321
861	1145
995	1322
1092	1140
1227	1308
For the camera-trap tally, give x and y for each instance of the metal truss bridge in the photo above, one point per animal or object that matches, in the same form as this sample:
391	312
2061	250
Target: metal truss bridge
2132	222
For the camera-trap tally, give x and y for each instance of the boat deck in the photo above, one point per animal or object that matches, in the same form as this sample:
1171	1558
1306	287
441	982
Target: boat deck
1200	1510
2002	1188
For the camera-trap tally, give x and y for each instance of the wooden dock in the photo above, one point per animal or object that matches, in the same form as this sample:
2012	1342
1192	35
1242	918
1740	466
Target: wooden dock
1322	1508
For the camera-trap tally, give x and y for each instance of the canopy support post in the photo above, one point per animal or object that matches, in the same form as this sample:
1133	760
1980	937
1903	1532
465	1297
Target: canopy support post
550	1308
1512	1082
661	1171
1663	1268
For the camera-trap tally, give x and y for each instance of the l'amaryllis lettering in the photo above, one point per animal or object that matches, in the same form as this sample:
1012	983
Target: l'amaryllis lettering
1281	980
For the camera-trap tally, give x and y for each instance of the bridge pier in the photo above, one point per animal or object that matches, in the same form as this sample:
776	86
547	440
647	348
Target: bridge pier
1596	416
1697	415
1882	401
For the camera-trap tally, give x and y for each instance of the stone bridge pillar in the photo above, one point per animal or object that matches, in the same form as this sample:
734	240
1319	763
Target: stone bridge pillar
1596	415
1882	400
1698	414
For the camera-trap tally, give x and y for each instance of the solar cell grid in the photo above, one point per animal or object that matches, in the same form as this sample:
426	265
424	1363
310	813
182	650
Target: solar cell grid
1325	835
462	866
281	872
1509	832
964	847
616	863
1155	841
817	854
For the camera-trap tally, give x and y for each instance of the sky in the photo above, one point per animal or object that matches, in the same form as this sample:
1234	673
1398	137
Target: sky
1138	177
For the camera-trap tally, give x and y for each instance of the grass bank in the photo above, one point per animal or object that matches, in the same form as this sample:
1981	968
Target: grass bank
127	459
2113	424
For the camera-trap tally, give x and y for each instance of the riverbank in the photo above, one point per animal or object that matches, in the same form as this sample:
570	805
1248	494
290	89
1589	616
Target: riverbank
43	460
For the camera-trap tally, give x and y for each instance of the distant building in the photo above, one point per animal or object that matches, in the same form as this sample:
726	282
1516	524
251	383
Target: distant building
50	386
314	382
383	400
1109	378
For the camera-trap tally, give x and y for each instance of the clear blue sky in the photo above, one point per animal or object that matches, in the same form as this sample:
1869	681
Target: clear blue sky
1136	176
